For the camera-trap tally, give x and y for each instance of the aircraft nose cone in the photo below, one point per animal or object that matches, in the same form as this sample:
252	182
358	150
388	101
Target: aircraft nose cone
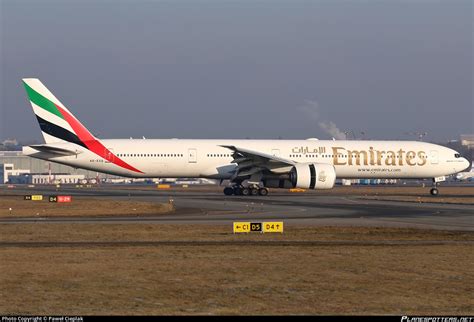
465	164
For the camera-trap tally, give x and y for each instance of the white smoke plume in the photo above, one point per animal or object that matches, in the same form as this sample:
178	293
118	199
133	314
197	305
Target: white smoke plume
331	128
311	109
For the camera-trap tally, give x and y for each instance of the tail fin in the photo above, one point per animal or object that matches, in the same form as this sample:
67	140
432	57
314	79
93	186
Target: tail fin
56	122
59	125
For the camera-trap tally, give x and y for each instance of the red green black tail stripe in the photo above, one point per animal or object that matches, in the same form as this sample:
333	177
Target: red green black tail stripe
92	143
41	101
58	132
81	136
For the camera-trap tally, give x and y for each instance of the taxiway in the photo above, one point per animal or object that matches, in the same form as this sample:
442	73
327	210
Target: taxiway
211	207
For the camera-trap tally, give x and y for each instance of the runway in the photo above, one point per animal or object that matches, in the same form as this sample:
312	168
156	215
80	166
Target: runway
211	207
346	243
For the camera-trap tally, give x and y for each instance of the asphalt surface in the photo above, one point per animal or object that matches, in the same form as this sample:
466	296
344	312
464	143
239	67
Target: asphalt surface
212	207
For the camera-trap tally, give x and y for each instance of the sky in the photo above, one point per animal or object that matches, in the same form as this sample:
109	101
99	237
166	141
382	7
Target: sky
243	69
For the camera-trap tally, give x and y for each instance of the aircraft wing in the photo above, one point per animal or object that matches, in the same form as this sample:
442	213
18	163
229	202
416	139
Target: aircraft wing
251	162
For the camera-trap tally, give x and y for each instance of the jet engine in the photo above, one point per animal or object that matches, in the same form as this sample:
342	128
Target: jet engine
313	176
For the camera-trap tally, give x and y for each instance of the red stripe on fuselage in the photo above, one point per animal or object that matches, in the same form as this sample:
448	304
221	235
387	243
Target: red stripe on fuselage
92	144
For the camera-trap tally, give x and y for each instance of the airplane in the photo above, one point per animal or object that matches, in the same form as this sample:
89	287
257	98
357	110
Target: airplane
467	175
250	166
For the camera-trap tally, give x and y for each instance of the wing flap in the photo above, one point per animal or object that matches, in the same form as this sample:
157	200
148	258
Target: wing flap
243	155
251	162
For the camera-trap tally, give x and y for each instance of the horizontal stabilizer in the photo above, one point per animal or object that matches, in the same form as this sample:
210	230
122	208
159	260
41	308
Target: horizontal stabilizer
54	150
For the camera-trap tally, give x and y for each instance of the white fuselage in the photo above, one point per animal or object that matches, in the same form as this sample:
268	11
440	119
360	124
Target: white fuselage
177	158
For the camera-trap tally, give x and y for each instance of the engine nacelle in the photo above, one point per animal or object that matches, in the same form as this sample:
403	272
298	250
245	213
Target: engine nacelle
277	183
313	176
272	180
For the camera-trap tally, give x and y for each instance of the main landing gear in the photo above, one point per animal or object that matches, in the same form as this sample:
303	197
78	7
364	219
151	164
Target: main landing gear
245	191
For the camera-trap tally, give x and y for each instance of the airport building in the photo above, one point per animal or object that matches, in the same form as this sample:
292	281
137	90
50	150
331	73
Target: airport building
8	169
46	178
468	140
14	163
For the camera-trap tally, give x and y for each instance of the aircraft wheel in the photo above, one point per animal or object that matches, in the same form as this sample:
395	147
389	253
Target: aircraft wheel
254	191
245	191
228	191
263	191
434	191
237	191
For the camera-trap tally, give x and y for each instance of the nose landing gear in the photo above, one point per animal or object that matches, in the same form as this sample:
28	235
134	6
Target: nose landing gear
434	191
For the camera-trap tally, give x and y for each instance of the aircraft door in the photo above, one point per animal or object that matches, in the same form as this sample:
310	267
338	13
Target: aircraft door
192	155
109	155
434	157
276	152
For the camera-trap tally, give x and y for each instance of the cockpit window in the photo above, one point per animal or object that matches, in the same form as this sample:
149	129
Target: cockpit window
457	155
